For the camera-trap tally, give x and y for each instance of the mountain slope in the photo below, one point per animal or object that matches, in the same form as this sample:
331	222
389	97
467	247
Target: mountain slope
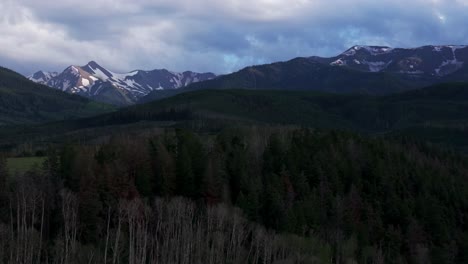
96	82
360	69
25	102
303	74
307	74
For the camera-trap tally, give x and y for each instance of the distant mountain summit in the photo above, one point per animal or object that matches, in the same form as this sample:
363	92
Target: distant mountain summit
436	61
96	82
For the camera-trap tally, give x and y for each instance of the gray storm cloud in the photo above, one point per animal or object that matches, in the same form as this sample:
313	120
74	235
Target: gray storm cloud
211	35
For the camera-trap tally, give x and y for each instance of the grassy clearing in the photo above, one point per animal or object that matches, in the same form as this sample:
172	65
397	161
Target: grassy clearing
21	165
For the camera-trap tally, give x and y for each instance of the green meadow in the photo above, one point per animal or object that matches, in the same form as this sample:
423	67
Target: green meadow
21	165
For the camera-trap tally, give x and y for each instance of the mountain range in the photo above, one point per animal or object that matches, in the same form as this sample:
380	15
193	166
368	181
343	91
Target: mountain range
100	84
375	70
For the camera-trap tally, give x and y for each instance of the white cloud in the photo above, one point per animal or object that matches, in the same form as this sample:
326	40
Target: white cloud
24	38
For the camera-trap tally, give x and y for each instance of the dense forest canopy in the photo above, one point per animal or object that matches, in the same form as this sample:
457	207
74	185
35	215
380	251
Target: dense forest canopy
331	197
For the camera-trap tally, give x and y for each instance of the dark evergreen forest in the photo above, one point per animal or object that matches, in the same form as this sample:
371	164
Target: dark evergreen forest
258	194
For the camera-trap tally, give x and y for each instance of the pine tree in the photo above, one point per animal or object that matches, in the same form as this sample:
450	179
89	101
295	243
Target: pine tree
185	177
163	168
212	183
89	208
67	159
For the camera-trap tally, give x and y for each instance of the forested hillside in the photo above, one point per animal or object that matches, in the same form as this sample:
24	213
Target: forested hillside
434	114
25	102
433	105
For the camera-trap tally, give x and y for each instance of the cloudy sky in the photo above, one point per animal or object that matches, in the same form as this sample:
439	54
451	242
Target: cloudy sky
213	35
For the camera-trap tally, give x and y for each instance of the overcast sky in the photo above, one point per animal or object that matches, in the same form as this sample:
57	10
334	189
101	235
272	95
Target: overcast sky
213	35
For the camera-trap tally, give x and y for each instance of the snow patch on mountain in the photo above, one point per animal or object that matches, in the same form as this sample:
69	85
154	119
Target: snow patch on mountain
65	85
372	50
377	66
456	47
100	74
85	82
75	71
42	77
412	72
338	62
123	76
449	66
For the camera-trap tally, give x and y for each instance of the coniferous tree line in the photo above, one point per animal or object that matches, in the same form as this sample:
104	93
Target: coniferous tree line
342	199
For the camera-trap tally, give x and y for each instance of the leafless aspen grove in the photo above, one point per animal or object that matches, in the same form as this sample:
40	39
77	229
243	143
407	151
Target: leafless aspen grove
167	231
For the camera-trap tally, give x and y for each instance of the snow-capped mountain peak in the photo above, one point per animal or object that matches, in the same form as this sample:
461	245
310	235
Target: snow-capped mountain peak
93	80
97	70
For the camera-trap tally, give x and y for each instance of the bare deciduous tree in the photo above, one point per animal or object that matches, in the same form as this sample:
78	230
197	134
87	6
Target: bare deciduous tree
26	212
68	244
